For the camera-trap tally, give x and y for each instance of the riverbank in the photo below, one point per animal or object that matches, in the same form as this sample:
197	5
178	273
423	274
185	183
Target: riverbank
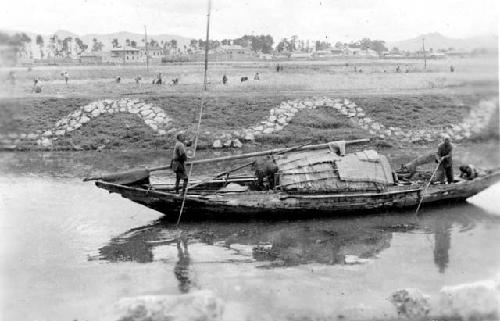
309	102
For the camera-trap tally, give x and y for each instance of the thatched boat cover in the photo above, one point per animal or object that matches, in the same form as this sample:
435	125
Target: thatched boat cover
325	170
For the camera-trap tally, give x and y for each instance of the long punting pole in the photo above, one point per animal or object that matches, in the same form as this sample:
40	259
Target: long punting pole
265	152
201	109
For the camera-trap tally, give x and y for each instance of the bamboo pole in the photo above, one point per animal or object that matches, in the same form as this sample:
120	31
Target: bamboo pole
276	151
201	111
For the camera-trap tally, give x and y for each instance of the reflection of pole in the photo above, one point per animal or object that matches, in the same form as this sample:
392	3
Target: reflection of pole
147	52
423	49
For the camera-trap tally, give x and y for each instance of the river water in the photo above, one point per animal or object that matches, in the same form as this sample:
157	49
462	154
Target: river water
69	250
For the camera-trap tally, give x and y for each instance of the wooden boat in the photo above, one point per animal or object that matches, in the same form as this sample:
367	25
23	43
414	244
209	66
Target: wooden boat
315	180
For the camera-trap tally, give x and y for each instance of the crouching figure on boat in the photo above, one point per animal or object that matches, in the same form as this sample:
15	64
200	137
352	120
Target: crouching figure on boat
266	168
468	172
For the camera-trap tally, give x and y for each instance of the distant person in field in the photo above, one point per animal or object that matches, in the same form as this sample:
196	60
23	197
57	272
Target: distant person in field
444	154
118	79
278	68
452	69
36	86
11	77
158	80
398	69
256	77
224	79
179	157
65	75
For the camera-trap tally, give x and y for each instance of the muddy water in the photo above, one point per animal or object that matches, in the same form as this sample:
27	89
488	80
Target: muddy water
69	250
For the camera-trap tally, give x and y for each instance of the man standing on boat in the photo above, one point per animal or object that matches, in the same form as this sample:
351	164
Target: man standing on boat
445	160
179	157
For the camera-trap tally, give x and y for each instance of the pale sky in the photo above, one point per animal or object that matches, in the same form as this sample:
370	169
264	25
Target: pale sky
331	20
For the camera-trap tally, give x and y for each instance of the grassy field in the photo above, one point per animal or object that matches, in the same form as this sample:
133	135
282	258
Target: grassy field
420	99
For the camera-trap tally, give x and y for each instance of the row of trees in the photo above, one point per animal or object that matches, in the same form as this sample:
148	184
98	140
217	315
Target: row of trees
293	44
151	43
65	47
18	42
365	43
260	43
60	47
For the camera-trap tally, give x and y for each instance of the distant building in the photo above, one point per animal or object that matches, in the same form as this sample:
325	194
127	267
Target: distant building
126	55
328	53
233	52
91	58
437	55
264	56
154	52
300	55
358	52
458	53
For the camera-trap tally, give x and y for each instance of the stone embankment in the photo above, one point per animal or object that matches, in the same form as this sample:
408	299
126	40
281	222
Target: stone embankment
153	116
279	117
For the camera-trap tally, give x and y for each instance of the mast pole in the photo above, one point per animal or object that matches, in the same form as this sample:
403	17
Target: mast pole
423	49
207	46
147	51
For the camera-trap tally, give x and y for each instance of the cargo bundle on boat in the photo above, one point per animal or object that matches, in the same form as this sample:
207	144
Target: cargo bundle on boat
310	181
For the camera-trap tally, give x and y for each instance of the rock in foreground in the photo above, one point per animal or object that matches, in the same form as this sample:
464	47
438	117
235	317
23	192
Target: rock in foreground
410	303
199	305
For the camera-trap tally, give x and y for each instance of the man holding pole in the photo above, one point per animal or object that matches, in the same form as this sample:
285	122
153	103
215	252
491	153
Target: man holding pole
445	160
179	157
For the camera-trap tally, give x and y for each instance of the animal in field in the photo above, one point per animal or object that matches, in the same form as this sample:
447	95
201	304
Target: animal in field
244	79
157	80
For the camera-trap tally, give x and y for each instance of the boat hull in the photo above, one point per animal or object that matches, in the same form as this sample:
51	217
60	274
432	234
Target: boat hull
277	204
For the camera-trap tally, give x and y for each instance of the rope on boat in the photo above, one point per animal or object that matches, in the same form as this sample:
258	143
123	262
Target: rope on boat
201	112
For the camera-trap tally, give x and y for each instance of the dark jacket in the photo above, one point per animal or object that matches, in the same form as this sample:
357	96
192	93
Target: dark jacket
445	150
179	157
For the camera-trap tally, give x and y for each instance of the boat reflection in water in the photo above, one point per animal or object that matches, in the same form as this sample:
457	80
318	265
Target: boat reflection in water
341	241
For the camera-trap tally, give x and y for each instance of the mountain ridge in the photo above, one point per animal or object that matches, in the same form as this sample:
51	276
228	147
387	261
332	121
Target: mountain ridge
436	40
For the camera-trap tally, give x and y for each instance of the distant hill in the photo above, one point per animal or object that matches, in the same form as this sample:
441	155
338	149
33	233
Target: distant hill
438	41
